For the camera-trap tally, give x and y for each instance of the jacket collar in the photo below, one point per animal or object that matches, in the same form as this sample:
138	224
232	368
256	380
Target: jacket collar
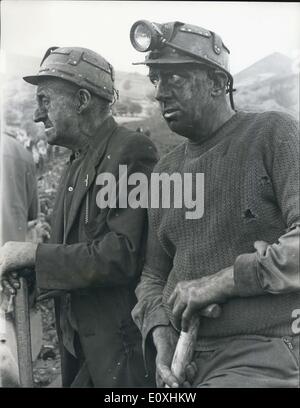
87	174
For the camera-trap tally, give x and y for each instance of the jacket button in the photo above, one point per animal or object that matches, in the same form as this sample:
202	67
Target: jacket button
70	189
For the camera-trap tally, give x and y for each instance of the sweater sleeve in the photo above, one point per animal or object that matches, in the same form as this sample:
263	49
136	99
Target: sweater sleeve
277	270
149	311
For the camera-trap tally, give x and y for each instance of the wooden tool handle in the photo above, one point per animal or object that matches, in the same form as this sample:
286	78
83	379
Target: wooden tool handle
22	321
186	343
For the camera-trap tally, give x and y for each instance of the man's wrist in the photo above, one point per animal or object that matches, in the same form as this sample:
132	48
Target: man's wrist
229	288
26	254
32	254
159	332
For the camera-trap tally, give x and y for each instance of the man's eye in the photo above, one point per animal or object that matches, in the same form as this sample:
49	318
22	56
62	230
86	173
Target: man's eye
45	101
176	79
154	79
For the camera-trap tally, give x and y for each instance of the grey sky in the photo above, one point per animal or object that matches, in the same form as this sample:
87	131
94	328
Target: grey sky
250	30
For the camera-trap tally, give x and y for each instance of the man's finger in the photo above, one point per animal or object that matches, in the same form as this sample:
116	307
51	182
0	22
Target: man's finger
159	381
14	282
186	317
172	298
8	288
186	384
191	371
46	226
261	247
178	309
167	377
31	224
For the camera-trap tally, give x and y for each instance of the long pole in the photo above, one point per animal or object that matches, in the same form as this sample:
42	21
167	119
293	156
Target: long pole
22	322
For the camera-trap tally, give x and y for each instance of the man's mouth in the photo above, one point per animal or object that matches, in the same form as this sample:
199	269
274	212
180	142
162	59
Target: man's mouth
49	130
48	127
170	114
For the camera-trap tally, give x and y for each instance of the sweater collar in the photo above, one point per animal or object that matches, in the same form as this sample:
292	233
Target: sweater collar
197	149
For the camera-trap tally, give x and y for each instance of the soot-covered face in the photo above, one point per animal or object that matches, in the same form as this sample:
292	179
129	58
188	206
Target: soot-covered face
184	94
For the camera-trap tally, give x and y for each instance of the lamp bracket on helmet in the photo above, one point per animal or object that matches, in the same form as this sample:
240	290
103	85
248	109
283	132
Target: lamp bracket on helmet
147	36
180	43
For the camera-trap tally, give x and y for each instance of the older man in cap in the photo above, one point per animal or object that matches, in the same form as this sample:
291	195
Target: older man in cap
95	256
243	251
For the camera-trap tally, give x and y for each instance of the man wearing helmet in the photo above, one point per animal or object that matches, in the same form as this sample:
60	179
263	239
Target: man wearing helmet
243	253
95	256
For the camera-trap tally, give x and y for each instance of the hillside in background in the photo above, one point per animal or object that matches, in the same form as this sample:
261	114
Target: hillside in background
133	85
274	65
269	84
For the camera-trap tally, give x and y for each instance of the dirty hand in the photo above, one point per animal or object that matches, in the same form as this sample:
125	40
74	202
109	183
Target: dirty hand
165	339
42	232
261	247
38	230
191	296
16	259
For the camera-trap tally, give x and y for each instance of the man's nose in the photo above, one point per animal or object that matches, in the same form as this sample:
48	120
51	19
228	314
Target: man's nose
39	115
162	91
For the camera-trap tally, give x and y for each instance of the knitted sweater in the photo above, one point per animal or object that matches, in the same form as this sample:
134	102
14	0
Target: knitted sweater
251	192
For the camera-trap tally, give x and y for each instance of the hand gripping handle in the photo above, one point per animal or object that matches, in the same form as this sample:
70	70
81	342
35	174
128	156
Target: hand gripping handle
184	351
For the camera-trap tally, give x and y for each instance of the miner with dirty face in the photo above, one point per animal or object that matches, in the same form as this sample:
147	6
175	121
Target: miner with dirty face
93	263
243	252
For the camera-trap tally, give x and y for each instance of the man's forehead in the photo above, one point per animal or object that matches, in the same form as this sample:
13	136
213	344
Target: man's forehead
45	86
176	68
168	68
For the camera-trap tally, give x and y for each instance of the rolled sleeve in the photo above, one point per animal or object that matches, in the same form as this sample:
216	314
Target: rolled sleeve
246	275
276	271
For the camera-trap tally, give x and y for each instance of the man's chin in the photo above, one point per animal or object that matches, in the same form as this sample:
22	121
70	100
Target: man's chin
51	135
176	126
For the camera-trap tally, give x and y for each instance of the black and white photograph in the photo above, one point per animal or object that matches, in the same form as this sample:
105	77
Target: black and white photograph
149	197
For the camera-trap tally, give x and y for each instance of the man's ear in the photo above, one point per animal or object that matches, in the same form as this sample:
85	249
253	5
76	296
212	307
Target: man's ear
220	81
83	99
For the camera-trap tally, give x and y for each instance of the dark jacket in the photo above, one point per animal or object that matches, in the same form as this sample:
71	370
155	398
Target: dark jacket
101	260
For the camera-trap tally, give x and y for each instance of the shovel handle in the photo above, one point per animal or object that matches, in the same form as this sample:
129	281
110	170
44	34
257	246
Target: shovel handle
185	347
22	322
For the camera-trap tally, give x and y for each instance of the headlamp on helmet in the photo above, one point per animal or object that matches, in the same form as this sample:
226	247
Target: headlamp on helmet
180	43
148	36
145	36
